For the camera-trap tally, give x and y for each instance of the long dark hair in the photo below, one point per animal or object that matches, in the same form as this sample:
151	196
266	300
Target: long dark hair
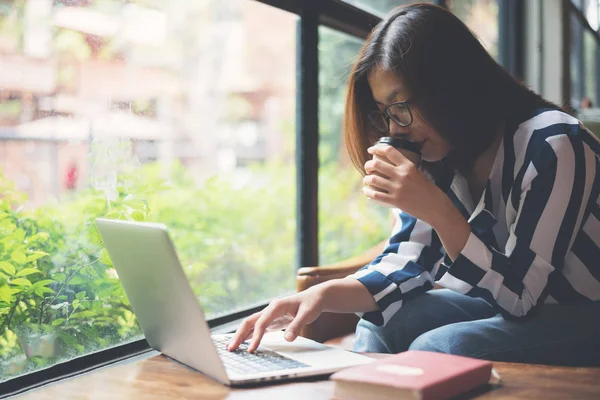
456	85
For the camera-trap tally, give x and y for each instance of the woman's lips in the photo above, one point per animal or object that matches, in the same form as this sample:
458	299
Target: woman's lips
419	144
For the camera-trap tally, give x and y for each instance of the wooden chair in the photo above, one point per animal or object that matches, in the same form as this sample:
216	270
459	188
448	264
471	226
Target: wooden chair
329	325
335	329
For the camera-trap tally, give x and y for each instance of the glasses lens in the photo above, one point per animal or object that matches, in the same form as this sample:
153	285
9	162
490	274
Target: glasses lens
400	114
378	121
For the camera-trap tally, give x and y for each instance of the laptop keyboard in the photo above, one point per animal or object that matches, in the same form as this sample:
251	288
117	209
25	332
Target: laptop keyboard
242	362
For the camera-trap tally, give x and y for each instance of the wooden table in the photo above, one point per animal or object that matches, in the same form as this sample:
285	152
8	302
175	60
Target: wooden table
160	378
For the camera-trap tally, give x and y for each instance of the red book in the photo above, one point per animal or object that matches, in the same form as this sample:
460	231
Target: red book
419	375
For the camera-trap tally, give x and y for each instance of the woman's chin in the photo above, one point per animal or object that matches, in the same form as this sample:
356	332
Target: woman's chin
431	158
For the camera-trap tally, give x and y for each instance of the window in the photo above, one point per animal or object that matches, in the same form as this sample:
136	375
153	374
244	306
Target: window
348	223
584	54
182	112
140	110
380	7
481	16
577	64
591	48
590	10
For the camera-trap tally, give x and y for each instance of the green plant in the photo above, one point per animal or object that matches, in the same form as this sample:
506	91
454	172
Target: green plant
55	279
61	296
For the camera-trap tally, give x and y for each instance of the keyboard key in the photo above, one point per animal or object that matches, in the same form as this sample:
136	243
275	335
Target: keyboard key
242	362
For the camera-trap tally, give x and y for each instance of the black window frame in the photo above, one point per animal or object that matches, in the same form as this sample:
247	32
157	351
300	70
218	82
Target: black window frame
511	46
342	17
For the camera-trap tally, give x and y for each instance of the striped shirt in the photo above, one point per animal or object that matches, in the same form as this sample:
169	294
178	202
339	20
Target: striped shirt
535	233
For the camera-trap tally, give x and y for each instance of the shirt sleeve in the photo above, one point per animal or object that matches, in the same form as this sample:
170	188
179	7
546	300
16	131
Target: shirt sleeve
406	267
555	191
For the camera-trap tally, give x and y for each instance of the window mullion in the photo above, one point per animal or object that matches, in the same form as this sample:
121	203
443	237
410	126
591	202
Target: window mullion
307	139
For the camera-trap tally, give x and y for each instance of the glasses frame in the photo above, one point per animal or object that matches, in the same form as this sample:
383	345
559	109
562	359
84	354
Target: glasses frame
387	116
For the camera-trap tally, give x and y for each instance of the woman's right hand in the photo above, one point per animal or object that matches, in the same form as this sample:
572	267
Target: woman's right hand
304	307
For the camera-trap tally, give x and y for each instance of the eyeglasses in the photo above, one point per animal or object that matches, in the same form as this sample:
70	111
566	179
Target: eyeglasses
398	112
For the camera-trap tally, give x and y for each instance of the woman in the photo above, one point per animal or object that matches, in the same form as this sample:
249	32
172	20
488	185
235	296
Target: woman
502	210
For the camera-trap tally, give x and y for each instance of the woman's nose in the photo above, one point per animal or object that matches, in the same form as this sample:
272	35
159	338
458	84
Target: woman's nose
397	130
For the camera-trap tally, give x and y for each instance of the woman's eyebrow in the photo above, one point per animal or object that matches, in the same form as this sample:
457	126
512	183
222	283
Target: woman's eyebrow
394	93
390	97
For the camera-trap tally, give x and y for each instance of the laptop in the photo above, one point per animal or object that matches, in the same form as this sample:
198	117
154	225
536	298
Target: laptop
173	321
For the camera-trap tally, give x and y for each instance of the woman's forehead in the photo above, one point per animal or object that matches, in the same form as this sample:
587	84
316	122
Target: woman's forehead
386	86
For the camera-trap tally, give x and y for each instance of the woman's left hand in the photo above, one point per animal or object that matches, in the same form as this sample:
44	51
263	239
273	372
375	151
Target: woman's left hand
400	184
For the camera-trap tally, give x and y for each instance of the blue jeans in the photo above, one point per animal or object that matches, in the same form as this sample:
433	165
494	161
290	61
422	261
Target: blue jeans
448	322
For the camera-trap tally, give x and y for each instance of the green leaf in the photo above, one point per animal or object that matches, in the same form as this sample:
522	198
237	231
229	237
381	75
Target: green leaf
43	235
15	290
80	296
43	283
7	267
105	259
77	280
114	215
141	205
138	215
105	319
58	321
68	339
20	282
8	226
83	314
42	290
28	271
36	255
95	238
40	237
19	235
5	294
19	256
59	277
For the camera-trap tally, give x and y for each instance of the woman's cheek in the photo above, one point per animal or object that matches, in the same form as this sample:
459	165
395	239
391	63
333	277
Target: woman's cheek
433	152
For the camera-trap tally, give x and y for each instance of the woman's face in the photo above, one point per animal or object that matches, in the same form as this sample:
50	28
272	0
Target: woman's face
387	88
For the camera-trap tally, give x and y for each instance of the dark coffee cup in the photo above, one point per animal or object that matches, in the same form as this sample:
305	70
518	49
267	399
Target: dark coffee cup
410	150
